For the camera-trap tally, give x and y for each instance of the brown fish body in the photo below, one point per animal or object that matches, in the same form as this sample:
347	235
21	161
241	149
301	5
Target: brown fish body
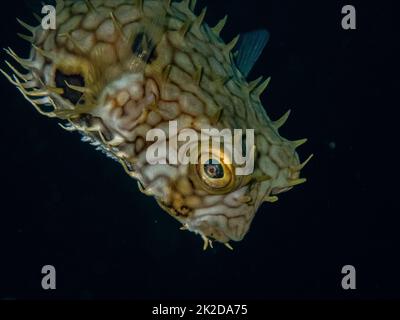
115	70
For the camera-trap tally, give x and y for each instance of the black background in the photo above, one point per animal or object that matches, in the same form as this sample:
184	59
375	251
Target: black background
66	205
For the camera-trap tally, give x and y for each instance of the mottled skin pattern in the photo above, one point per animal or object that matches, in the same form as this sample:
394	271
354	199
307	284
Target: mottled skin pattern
145	63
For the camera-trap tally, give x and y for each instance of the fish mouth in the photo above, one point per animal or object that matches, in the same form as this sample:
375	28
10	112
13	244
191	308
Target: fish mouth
213	227
181	214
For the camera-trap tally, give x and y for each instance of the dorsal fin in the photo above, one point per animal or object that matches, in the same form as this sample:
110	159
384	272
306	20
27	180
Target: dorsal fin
250	47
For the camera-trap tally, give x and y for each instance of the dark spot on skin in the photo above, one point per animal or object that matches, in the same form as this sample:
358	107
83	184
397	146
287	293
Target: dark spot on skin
143	46
74	79
183	211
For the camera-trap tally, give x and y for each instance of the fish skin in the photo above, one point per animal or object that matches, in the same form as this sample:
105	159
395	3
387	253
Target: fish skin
180	70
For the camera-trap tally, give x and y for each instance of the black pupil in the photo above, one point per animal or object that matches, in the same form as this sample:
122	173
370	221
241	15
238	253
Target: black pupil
214	169
73	79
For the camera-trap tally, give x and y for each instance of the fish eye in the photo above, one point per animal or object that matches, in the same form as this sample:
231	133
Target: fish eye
214	169
74	79
215	176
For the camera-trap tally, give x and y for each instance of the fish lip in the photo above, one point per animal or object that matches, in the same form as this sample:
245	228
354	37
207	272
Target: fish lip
194	225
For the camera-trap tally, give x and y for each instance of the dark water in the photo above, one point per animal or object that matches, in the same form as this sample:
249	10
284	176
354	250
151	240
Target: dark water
66	205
